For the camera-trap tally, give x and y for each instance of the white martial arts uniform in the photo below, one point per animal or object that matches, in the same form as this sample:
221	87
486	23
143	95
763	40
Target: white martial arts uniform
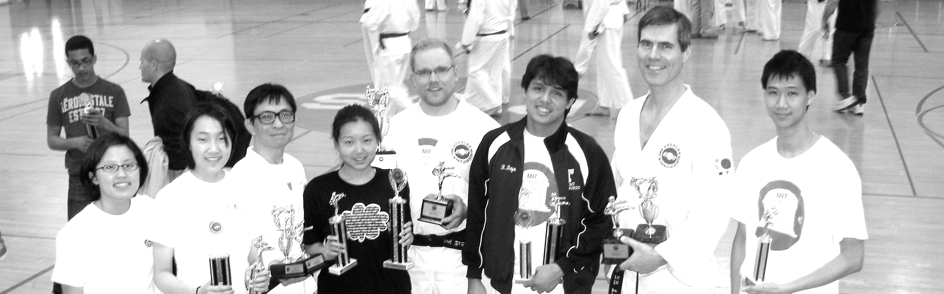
817	197
421	142
436	5
388	56
768	18
813	34
606	18
683	6
489	53
689	155
270	187
721	16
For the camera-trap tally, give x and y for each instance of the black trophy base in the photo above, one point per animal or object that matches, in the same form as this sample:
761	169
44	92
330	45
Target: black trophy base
654	234
298	269
337	269
398	265
434	211
614	250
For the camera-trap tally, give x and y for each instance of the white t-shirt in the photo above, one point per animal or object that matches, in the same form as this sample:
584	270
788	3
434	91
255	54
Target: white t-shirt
198	219
689	155
274	189
104	253
816	200
422	142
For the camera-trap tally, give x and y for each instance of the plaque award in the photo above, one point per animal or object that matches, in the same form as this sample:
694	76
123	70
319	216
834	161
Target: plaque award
220	274
649	210
339	229
398	217
614	250
258	266
436	208
763	246
552	238
378	102
284	220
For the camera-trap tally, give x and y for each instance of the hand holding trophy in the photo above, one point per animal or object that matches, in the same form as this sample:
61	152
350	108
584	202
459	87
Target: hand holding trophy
763	245
256	268
292	232
437	208
339	231
398	217
552	237
615	251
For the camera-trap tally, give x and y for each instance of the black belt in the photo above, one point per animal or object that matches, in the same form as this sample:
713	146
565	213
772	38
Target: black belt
454	240
390	35
489	34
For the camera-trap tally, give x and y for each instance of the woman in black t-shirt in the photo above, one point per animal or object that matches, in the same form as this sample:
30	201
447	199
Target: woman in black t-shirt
367	190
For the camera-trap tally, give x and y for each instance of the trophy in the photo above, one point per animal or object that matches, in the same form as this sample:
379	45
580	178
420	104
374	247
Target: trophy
398	217
88	110
339	229
259	265
292	232
378	102
614	250
763	245
220	274
435	209
552	238
649	210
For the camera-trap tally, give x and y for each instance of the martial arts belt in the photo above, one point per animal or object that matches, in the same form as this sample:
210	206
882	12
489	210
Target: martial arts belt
388	36
454	240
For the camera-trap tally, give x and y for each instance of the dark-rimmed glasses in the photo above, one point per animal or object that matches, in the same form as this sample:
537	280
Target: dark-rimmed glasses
268	117
113	168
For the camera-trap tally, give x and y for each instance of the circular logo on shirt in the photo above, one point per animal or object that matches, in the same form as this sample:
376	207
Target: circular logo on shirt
462	152
723	166
216	227
781	207
669	155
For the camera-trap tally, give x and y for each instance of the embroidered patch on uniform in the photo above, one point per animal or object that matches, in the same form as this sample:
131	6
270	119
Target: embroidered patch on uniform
462	152
365	222
723	166
148	243
215	227
669	155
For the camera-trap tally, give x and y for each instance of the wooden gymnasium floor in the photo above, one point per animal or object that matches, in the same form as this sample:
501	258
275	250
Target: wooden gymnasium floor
314	48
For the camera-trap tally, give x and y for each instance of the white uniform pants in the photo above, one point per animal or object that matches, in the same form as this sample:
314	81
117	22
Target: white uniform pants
437	270
768	12
683	6
750	15
390	69
486	63
612	82
721	15
813	32
657	282
435	4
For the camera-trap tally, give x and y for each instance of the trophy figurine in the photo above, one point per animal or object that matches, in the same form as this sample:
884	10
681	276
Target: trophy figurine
552	238
88	110
339	229
763	246
259	265
614	250
284	220
398	217
378	102
649	210
437	208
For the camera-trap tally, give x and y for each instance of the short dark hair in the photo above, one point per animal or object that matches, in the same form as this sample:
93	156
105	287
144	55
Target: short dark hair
789	63
553	71
664	16
79	42
267	93
214	111
94	154
429	44
353	113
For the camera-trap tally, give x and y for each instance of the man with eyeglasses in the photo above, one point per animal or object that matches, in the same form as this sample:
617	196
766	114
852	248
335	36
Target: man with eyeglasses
84	108
440	129
273	180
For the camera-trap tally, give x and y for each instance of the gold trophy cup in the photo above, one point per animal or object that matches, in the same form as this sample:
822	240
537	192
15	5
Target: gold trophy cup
649	210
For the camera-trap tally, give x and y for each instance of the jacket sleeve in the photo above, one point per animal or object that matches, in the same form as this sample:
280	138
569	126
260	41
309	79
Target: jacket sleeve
594	223
478	198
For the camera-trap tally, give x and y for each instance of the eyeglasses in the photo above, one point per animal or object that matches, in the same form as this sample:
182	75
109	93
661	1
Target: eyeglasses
268	117
113	168
78	63
425	73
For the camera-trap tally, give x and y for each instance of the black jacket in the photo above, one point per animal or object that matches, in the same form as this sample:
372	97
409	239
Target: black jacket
580	167
170	100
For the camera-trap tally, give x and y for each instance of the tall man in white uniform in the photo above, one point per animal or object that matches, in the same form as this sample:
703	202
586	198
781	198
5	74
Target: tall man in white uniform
814	34
604	24
440	129
275	179
802	190
675	138
386	27
768	19
485	38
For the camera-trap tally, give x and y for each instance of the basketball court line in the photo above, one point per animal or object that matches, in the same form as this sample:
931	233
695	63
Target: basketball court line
278	20
895	137
912	31
540	42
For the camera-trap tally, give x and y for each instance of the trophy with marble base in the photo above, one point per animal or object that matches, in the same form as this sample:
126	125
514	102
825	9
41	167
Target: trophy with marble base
552	239
435	209
292	233
398	217
615	251
378	102
344	262
649	210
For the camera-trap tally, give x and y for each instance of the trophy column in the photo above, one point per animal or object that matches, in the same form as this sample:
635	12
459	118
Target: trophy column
339	229
398	217
552	238
763	246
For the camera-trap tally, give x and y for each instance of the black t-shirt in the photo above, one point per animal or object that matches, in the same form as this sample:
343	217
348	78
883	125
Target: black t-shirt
856	15
369	239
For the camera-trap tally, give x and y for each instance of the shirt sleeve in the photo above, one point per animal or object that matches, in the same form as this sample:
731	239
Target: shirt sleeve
478	198
121	104
70	268
53	117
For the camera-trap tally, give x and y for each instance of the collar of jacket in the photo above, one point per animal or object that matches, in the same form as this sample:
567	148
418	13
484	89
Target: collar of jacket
166	78
554	142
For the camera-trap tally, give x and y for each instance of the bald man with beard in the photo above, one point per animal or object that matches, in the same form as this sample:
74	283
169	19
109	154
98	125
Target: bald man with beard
169	101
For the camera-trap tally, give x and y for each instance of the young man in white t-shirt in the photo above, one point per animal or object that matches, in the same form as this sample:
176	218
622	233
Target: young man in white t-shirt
274	180
799	188
440	129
